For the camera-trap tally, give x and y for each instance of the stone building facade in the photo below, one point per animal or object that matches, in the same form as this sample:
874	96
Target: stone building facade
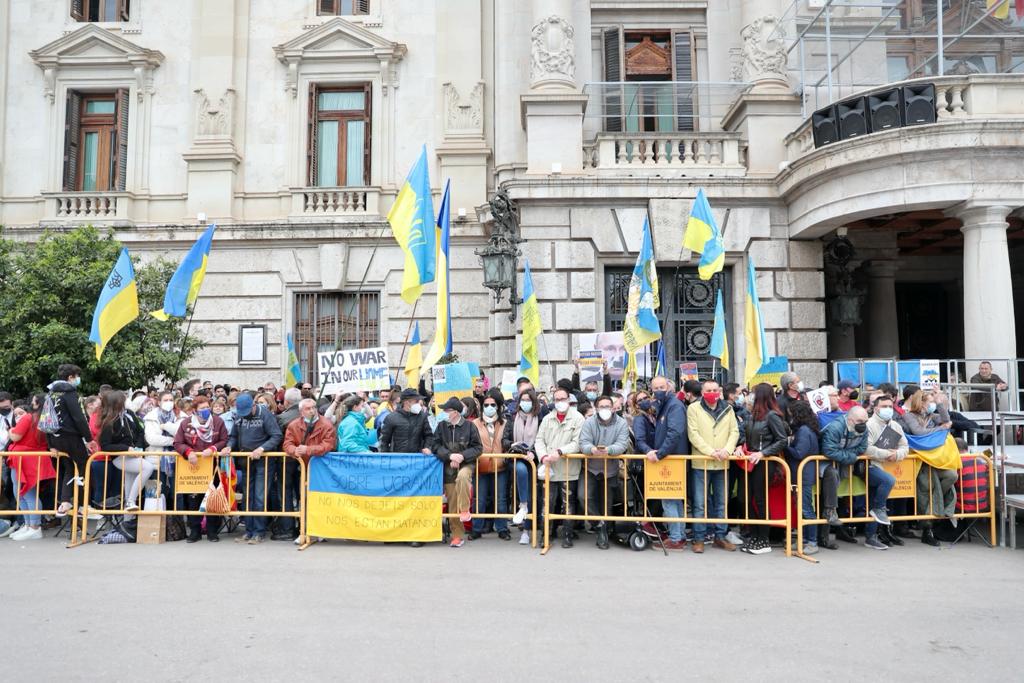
292	124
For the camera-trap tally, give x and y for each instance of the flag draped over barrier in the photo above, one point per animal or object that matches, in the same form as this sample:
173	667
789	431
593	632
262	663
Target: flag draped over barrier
529	361
641	326
412	223
118	303
938	449
442	343
375	497
183	289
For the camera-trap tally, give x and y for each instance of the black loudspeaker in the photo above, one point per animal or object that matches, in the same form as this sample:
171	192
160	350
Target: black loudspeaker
853	120
884	110
825	128
918	104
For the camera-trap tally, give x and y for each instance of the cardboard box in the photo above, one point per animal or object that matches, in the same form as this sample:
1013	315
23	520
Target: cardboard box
152	529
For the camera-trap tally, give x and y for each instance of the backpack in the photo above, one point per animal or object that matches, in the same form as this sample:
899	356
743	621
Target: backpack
972	494
49	418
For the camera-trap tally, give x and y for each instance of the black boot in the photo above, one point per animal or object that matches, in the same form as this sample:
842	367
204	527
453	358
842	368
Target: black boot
566	531
888	538
843	534
902	530
602	536
928	538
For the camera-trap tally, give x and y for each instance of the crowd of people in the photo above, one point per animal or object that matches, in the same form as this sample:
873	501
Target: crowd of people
736	429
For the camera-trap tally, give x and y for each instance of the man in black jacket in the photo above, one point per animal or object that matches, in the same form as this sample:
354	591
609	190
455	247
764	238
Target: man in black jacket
73	434
407	429
457	445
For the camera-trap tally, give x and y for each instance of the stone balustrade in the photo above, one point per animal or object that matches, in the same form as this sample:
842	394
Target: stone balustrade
86	206
718	153
332	201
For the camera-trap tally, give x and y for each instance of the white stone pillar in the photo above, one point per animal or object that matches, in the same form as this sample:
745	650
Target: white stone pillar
989	330
764	45
553	46
880	317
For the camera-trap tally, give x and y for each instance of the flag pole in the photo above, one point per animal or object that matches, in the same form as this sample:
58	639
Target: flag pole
184	340
412	321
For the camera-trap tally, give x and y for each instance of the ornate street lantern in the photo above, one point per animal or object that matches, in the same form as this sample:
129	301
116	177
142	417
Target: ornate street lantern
500	258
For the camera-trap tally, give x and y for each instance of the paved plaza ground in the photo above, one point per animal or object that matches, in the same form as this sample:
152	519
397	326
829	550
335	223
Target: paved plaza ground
494	610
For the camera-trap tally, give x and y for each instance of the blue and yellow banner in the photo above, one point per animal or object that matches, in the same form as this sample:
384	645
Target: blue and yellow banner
394	497
118	303
183	289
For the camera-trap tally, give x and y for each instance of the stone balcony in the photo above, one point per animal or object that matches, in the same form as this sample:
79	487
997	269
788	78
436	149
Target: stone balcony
87	207
971	152
317	202
718	154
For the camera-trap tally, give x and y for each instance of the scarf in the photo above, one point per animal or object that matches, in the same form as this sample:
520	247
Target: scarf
524	430
163	417
203	432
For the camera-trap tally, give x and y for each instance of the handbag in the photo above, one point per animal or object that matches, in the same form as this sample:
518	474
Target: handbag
216	501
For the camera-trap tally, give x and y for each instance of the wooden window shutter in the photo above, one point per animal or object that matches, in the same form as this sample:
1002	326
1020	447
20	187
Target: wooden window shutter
368	100
327	7
78	10
119	141
612	40
72	135
362	7
683	63
311	137
123	7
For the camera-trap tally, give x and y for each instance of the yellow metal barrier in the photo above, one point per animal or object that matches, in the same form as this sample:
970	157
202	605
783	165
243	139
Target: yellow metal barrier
15	458
119	505
453	516
903	481
607	516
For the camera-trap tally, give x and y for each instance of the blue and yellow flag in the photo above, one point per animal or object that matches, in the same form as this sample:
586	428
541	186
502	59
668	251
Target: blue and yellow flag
660	366
442	343
703	236
642	326
719	339
412	222
753	328
183	289
938	449
118	304
529	362
375	497
293	373
414	360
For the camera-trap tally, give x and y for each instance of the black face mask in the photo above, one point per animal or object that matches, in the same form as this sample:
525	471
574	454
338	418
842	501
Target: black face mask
860	428
5	411
854	395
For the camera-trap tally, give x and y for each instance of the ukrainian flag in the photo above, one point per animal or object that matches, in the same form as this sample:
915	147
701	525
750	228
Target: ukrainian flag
118	304
183	289
702	236
757	349
938	449
415	359
529	362
660	366
642	326
293	374
442	343
719	340
412	219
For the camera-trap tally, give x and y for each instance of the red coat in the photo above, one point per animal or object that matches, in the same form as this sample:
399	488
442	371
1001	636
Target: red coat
31	469
187	440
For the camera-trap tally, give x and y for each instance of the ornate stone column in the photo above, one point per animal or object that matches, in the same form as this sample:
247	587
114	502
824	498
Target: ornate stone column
989	329
880	314
764	46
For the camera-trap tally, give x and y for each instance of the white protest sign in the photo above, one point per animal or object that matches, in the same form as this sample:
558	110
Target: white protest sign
353	370
929	374
819	400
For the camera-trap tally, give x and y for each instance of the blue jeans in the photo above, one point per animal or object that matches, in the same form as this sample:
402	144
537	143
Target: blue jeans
879	484
674	508
715	502
285	525
29	501
807	502
256	499
524	478
485	500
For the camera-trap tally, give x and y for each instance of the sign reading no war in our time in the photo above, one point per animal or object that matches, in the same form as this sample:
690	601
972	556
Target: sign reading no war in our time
353	370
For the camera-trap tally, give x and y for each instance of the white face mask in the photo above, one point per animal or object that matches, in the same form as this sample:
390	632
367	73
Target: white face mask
490	411
562	406
799	386
416	408
604	414
167	406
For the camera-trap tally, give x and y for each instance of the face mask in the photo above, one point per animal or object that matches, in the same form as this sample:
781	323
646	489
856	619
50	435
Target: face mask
661	395
604	414
562	406
167	406
591	396
799	386
526	406
645	404
443	417
416	408
860	428
204	414
491	411
932	407
465	410
310	420
711	397
885	413
77	382
5	411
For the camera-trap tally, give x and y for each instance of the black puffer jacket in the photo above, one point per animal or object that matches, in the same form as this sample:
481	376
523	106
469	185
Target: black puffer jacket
404	432
69	409
462	438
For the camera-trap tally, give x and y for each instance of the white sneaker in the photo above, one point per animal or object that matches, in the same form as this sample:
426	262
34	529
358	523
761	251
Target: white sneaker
524	538
29	535
17	532
734	538
520	514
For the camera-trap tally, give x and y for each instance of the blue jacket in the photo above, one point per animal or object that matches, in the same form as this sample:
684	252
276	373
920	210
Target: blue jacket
250	432
353	437
670	428
840	445
643	433
805	443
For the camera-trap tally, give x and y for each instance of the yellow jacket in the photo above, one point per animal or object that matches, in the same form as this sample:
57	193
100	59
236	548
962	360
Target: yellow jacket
708	433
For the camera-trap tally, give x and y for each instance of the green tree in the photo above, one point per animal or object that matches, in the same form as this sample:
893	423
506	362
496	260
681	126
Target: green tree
48	293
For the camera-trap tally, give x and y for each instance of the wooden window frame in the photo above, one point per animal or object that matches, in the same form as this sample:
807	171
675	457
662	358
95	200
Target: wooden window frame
333	8
80	11
112	146
104	126
342	117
